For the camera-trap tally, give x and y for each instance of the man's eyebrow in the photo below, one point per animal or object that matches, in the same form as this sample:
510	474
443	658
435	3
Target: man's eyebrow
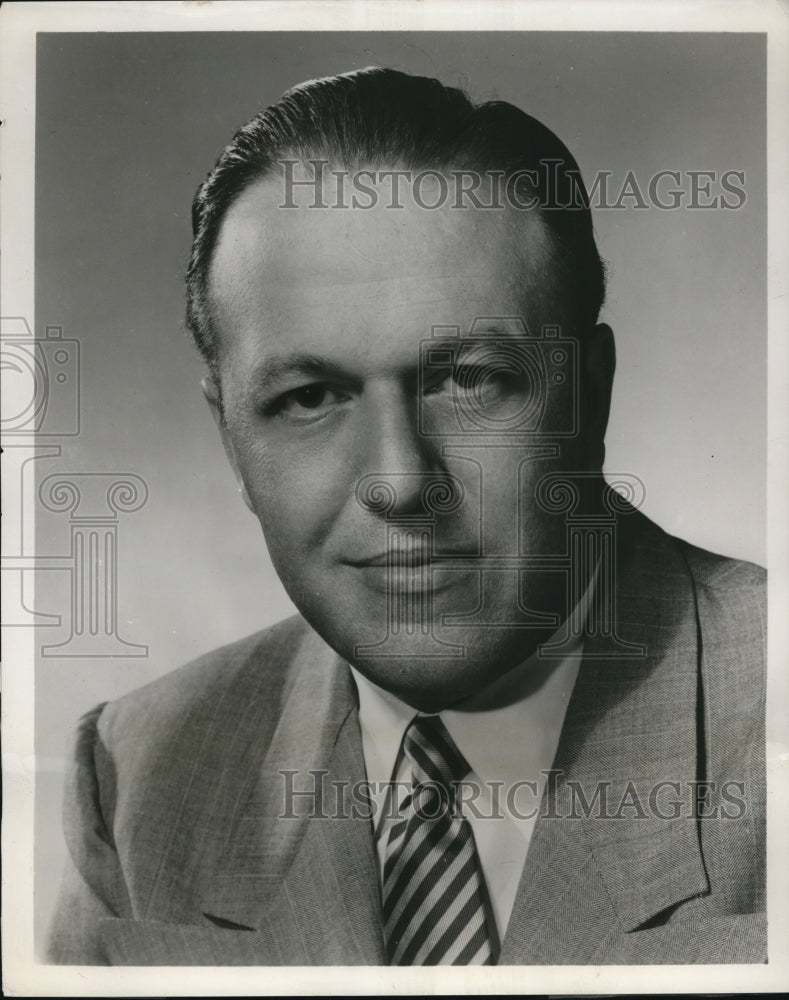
504	327
267	374
508	328
483	333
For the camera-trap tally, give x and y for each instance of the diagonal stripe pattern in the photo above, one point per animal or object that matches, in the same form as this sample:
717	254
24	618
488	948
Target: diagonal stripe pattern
433	892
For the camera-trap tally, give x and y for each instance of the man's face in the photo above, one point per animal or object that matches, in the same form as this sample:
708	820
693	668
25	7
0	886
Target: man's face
320	315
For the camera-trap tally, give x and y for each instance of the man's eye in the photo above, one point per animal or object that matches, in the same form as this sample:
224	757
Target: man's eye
308	401
437	382
468	378
308	396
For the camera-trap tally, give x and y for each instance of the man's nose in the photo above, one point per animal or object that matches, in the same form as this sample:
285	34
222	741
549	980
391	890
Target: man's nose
399	464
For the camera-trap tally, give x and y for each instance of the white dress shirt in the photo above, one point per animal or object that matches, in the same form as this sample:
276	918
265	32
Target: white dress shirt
508	733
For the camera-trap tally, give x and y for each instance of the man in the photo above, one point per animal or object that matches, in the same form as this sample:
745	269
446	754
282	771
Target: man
515	722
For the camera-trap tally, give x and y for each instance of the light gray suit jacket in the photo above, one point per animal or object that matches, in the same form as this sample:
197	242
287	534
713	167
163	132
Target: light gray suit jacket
178	856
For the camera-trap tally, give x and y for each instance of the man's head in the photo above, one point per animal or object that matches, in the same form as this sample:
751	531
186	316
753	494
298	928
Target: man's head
385	118
314	322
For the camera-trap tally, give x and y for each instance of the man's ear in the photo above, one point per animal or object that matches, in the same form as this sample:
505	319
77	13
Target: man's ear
211	393
599	365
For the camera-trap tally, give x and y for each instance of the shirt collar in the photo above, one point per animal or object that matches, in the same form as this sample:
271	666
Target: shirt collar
526	722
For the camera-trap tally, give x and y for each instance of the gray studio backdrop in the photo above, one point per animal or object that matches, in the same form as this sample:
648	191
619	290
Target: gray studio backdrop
127	126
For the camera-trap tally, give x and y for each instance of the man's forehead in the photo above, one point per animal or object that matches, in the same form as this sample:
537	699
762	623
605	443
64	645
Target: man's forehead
367	285
357	245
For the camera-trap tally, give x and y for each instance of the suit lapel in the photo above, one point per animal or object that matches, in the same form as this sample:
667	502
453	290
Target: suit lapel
593	874
300	868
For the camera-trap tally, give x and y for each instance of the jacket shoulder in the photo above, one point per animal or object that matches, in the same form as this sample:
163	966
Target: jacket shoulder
731	602
217	686
147	770
731	605
721	573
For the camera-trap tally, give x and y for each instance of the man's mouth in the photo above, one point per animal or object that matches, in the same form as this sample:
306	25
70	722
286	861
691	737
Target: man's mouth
415	570
397	557
414	555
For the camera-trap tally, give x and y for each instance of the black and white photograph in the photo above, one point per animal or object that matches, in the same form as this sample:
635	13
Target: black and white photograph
394	452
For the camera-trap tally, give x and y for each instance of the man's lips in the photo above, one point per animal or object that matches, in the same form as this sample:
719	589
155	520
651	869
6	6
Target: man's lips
411	572
408	558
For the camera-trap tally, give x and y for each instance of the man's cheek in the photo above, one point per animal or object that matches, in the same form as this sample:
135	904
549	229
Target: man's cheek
293	517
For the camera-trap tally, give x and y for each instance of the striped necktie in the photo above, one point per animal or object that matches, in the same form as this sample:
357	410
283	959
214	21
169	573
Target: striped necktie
433	888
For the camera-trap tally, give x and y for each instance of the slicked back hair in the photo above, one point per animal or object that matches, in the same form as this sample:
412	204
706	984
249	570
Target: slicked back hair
388	118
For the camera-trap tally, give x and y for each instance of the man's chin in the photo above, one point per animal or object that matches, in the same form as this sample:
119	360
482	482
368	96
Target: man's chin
429	685
428	667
